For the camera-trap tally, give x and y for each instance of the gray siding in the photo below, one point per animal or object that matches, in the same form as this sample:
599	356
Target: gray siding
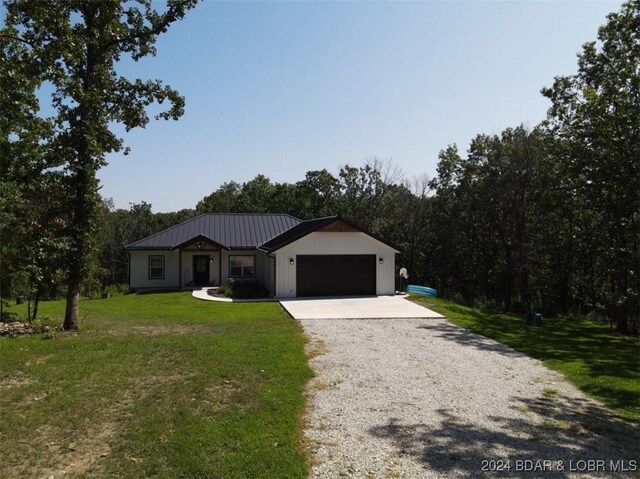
140	270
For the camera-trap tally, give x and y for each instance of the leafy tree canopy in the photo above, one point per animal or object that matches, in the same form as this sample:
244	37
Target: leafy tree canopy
73	48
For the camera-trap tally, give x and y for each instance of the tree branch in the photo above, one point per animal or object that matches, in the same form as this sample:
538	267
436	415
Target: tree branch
13	37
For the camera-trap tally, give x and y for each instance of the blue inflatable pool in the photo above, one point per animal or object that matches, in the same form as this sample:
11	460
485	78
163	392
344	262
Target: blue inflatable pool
423	290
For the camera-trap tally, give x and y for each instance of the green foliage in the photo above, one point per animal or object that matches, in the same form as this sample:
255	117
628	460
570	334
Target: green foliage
116	289
187	388
50	334
243	290
549	219
226	289
318	195
32	220
595	113
223	200
488	217
249	290
8	316
73	49
33	246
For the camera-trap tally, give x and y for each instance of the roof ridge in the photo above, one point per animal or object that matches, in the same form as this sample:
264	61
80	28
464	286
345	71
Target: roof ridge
321	218
166	229
202	224
252	214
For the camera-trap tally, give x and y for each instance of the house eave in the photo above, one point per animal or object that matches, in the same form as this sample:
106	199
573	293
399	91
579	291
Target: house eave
329	220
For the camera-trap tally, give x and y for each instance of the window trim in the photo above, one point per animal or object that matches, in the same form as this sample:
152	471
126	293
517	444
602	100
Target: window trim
255	266
155	256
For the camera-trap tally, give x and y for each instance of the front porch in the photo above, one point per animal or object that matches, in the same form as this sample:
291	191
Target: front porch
199	263
204	263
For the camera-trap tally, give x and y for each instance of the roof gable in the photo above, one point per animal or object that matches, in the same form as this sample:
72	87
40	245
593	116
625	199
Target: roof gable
199	243
338	226
231	231
334	224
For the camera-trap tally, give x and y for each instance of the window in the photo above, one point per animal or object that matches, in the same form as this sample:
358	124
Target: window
156	267
242	266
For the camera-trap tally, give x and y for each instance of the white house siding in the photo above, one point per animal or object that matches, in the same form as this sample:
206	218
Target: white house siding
266	271
139	268
335	243
271	275
187	267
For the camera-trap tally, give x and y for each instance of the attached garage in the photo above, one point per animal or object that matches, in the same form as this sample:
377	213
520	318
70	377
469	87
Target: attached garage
331	257
336	275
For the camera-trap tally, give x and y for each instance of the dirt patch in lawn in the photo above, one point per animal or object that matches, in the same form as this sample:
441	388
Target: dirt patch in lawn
61	452
314	347
308	446
221	396
51	453
161	330
82	455
14	380
36	360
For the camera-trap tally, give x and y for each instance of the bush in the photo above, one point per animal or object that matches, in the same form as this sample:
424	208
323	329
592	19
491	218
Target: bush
116	289
226	289
249	291
244	290
8	317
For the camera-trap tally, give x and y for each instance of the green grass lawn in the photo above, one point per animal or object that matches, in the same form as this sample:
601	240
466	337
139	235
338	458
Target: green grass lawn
602	363
157	385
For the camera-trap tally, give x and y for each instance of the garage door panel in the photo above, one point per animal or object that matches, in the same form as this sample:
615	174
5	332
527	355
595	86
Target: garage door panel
335	275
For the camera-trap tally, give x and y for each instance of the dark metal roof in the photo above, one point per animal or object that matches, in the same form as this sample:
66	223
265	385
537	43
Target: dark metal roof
309	226
234	231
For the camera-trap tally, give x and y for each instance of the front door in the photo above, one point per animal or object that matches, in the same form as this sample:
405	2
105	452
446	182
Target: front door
201	270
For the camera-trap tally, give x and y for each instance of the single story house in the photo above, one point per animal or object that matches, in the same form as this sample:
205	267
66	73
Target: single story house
290	257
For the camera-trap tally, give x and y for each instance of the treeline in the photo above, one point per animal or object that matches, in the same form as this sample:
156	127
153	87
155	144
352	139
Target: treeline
543	219
374	196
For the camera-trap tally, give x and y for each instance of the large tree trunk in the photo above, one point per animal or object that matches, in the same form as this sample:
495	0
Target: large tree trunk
524	263
83	213
620	316
524	287
36	303
73	300
621	293
508	281
76	263
74	278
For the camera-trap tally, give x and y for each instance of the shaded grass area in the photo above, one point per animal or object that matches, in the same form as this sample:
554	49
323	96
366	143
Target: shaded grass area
599	361
158	385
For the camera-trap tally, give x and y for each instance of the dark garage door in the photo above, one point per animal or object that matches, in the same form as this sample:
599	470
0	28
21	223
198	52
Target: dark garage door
336	275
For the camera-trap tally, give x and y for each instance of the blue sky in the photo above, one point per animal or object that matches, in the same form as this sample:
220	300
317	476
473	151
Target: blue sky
281	88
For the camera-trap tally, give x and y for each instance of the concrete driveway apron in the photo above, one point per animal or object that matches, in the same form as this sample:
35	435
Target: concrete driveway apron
370	307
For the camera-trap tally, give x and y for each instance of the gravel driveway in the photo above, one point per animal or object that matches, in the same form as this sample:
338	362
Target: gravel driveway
415	398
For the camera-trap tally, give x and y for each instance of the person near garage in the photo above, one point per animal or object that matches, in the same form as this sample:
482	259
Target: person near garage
404	279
